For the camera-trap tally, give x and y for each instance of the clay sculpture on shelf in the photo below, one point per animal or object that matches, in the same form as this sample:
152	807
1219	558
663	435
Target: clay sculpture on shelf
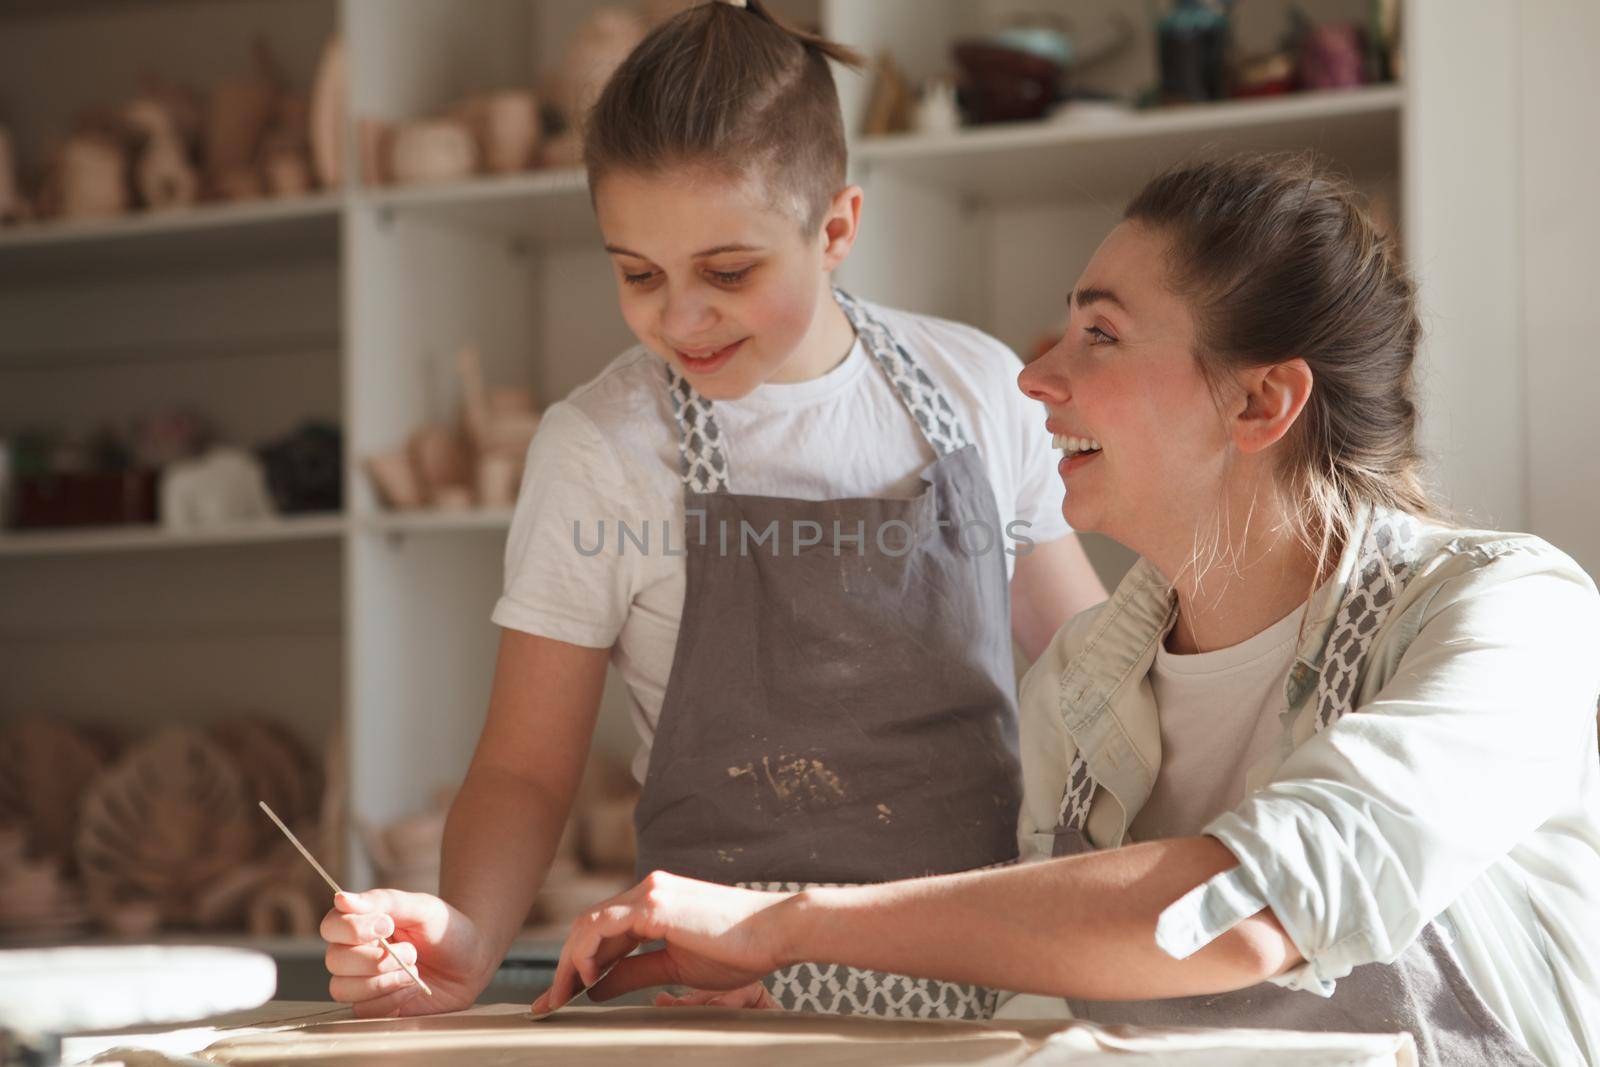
162	172
46	765
170	818
405	852
237	117
37	903
14	207
595	51
658	11
224	486
305	467
500	424
327	118
374	142
596	856
480	463
285	152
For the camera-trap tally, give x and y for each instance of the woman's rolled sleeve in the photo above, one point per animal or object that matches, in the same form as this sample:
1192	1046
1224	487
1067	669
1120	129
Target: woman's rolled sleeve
1374	826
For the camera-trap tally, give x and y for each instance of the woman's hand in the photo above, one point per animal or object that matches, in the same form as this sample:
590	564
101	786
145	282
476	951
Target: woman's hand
717	938
441	942
754	995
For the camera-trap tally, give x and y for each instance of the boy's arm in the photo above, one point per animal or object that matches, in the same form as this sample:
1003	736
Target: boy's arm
507	819
1052	582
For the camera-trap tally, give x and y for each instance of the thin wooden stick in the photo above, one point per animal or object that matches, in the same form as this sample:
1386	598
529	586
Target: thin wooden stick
326	877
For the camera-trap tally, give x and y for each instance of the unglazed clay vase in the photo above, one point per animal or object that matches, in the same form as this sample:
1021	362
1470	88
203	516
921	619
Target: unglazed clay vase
433	150
92	172
286	171
328	108
395	480
13	206
658	11
510	131
594	53
240	111
373	145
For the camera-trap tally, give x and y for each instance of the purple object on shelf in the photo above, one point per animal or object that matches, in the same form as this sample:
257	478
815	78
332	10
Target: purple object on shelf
1333	56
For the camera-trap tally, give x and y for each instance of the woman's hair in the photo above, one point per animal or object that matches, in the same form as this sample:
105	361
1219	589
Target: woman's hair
733	89
1276	260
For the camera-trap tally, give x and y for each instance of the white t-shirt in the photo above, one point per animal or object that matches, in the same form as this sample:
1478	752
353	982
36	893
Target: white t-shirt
608	455
1220	715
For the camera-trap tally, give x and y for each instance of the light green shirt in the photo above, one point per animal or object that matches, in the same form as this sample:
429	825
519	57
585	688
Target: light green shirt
1464	788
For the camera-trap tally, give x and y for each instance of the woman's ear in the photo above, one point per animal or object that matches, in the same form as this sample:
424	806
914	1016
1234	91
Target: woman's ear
1272	400
840	226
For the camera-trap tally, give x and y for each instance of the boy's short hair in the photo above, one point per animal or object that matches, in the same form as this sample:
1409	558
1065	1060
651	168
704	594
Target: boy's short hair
734	90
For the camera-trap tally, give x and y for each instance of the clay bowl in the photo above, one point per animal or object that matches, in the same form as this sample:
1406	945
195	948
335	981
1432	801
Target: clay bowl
1006	84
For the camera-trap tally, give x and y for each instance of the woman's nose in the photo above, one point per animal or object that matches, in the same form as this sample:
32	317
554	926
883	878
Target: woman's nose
1045	379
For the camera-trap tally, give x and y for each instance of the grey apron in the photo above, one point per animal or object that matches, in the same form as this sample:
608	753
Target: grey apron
841	707
1424	991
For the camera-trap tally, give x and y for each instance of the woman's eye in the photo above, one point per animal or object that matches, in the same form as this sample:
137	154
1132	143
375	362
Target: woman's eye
638	279
731	277
1097	336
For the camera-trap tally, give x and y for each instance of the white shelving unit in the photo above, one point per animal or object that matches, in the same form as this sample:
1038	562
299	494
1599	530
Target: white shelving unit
347	305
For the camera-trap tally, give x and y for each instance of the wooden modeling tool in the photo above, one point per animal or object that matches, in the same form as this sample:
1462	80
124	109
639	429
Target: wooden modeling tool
326	877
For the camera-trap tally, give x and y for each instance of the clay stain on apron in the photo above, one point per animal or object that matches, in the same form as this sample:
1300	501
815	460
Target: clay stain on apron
796	782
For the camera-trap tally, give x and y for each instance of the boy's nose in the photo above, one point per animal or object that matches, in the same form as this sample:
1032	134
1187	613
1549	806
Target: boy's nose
684	316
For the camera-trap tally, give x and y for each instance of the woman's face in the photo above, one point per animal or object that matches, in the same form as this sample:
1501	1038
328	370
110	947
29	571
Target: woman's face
713	278
1125	376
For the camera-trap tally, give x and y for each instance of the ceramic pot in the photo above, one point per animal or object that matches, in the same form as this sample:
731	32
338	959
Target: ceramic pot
433	150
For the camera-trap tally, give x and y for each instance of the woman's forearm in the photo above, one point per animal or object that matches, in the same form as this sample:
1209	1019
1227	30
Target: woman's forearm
1082	927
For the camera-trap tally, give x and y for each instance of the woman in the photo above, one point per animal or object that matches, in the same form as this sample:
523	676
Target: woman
1322	762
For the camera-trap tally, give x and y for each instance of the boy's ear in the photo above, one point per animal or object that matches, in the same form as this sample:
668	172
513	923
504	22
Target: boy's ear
840	226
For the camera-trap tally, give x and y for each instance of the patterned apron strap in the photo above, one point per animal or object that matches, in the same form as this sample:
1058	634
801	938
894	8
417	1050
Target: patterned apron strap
834	989
702	458
935	416
702	450
1388	556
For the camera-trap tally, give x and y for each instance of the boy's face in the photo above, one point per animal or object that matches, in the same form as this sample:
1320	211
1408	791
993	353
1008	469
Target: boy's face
715	280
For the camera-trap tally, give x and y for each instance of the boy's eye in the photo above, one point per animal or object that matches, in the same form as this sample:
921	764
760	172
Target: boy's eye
1097	336
731	277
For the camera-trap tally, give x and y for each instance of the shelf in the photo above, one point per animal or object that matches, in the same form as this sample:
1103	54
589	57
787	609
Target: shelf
65	542
199	237
103	539
539	206
1113	156
547	205
438	521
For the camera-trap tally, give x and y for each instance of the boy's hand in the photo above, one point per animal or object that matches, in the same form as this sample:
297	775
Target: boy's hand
441	942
